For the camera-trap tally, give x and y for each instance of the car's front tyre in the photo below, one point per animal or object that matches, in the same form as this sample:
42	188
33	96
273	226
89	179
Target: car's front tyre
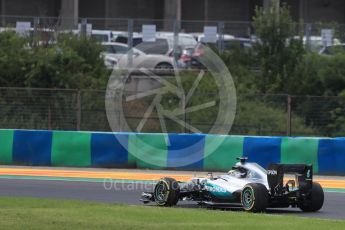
166	192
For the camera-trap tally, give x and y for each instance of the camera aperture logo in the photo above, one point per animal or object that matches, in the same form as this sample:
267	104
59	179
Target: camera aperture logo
151	92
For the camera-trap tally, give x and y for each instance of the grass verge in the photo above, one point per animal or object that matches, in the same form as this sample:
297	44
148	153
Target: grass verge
31	213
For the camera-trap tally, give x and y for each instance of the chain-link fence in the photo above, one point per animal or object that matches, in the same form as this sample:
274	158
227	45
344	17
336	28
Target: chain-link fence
315	35
57	109
85	109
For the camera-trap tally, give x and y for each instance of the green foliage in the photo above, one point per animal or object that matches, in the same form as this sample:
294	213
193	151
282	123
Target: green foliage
323	76
332	74
205	92
278	52
277	64
14	59
258	115
241	65
71	62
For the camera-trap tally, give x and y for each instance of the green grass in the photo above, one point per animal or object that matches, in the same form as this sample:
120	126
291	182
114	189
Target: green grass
30	213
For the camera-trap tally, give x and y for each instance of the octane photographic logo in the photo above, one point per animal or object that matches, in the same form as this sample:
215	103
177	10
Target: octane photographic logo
136	84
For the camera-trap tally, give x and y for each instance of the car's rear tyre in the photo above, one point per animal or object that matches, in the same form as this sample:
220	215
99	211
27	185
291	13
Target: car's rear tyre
254	197
166	192
314	201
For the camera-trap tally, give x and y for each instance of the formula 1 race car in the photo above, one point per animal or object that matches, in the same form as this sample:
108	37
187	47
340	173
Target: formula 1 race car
247	184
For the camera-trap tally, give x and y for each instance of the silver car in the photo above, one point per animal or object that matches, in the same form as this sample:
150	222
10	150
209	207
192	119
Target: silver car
118	55
247	184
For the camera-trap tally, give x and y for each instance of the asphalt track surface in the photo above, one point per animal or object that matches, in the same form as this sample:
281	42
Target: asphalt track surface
129	193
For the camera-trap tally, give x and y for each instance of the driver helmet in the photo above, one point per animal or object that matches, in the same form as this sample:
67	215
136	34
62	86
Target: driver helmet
237	173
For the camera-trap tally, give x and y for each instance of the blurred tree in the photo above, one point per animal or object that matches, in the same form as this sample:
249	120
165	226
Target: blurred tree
278	51
14	59
72	62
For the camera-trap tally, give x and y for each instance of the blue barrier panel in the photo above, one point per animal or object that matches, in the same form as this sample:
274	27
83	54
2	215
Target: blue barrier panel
109	149
186	151
262	150
331	156
161	151
32	147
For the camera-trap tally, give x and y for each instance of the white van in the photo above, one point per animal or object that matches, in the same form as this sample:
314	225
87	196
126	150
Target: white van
164	43
102	35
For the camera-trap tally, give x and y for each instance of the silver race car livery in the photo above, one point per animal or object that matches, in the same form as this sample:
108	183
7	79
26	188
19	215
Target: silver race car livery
246	184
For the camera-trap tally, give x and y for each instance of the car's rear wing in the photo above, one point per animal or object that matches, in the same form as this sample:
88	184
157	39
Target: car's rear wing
303	176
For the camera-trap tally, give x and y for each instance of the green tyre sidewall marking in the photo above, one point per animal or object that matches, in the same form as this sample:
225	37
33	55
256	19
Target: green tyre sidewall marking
167	194
246	206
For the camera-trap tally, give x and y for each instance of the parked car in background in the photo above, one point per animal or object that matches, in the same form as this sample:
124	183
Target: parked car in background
200	37
113	51
316	43
238	42
115	55
118	33
332	50
198	52
123	38
185	59
147	61
164	44
115	48
102	35
159	46
190	58
184	40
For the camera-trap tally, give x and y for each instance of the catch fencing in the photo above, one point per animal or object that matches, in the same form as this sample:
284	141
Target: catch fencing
267	115
47	28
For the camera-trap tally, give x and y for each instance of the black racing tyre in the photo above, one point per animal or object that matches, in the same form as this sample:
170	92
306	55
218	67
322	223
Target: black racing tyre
314	201
254	197
166	192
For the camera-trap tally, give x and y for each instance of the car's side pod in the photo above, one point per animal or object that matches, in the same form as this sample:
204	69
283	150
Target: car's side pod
303	177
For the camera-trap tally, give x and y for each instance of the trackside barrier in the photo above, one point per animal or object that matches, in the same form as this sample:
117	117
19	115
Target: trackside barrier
164	151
